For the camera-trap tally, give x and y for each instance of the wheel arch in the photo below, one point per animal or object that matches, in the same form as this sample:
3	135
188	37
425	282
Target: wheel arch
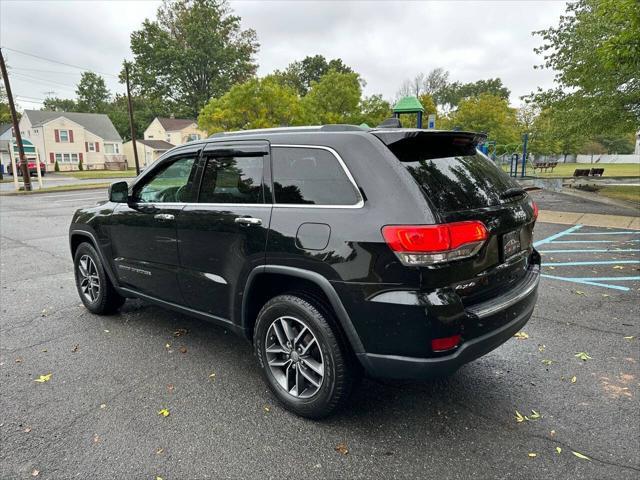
249	309
77	237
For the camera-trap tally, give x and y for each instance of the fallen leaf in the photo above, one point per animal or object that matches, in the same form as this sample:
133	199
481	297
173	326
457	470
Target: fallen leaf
578	292
267	408
96	438
552	433
584	356
106	331
164	412
44	312
521	336
618	267
547	362
158	478
170	387
550	267
558	450
212	376
342	448
541	347
103	405
519	417
630	337
183	349
159	451
75	348
167	345
35	473
27	430
579	455
534	416
43	378
574	379
18	360
533	455
44	350
606	295
180	332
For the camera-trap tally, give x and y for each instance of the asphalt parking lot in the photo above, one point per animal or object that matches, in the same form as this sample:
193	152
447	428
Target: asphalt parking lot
97	416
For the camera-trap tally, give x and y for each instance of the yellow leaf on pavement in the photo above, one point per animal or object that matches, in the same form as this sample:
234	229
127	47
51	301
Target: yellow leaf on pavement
579	455
630	337
164	412
574	379
558	450
533	455
578	292
618	267
521	336
584	356
342	448
43	378
519	417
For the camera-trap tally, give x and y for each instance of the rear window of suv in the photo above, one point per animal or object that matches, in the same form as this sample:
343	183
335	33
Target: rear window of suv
460	182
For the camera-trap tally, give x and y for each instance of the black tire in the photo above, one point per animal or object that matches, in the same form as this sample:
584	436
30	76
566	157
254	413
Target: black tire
106	300
339	372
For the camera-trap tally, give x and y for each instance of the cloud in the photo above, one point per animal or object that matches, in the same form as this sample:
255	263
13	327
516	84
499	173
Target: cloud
385	42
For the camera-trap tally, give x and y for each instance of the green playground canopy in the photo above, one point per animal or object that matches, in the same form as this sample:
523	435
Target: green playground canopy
408	105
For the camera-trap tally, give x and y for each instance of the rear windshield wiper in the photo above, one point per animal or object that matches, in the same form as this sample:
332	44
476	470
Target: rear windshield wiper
512	192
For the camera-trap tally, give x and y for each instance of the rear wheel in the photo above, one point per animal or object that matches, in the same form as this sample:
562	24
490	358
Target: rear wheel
301	357
94	287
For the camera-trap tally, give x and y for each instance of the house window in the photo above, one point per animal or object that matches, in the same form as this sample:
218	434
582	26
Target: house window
91	146
66	157
111	148
58	157
74	157
64	135
193	136
168	138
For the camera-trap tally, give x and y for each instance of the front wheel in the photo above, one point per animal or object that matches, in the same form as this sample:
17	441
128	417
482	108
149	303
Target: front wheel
301	356
94	287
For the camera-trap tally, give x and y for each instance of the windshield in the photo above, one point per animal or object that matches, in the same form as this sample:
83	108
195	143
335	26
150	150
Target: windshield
460	182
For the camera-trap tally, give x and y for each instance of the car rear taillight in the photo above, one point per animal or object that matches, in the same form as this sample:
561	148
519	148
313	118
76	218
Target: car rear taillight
446	343
417	245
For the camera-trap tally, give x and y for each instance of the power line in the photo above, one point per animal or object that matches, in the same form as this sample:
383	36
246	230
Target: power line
42	71
58	62
28	78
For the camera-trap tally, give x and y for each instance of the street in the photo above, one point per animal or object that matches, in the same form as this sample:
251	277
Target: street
97	416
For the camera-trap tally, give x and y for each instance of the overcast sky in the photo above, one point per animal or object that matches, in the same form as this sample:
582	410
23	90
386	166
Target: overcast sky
385	42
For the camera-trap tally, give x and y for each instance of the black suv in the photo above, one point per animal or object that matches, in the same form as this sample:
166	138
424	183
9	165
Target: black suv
336	251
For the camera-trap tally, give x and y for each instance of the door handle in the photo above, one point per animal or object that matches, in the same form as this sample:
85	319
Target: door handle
248	221
164	216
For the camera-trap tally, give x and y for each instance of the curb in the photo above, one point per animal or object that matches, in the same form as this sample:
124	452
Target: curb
589	219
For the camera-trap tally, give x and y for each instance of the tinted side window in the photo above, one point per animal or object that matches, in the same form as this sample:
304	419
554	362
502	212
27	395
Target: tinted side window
232	180
169	184
310	176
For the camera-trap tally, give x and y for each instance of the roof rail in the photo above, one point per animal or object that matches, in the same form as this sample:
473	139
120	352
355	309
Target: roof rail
311	128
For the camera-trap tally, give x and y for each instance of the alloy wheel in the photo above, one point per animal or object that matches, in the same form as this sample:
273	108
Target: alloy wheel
294	357
89	278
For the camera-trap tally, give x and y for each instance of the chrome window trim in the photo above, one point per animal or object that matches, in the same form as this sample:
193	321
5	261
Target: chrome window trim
358	204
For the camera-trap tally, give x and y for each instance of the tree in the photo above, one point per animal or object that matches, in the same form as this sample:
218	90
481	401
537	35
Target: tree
486	113
373	111
450	95
437	79
59	104
92	93
194	51
5	111
595	50
300	74
335	98
146	108
257	103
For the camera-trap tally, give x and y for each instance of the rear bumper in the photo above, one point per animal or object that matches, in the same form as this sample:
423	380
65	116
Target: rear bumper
518	305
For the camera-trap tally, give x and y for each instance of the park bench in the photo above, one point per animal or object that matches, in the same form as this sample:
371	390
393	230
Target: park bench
588	172
544	166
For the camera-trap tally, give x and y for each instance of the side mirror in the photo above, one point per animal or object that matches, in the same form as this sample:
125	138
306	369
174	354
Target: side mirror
119	192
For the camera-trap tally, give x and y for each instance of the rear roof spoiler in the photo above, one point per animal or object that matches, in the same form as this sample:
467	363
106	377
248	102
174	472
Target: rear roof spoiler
412	144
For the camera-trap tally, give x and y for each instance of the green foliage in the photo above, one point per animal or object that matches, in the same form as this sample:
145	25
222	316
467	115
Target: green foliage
485	113
373	111
92	94
257	103
335	98
145	109
80	166
595	50
300	74
195	50
450	95
60	104
56	167
5	111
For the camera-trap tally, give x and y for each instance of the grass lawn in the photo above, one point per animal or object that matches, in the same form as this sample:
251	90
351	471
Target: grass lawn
100	174
629	193
567	169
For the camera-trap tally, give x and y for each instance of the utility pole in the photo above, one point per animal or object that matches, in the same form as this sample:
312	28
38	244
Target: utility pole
131	126
16	130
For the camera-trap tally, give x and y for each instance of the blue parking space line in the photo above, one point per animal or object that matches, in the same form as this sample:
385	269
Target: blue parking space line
593	250
557	235
629	232
595	262
587	282
606	279
594	241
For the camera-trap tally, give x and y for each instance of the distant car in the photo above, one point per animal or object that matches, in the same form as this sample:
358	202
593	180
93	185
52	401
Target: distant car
398	253
32	169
